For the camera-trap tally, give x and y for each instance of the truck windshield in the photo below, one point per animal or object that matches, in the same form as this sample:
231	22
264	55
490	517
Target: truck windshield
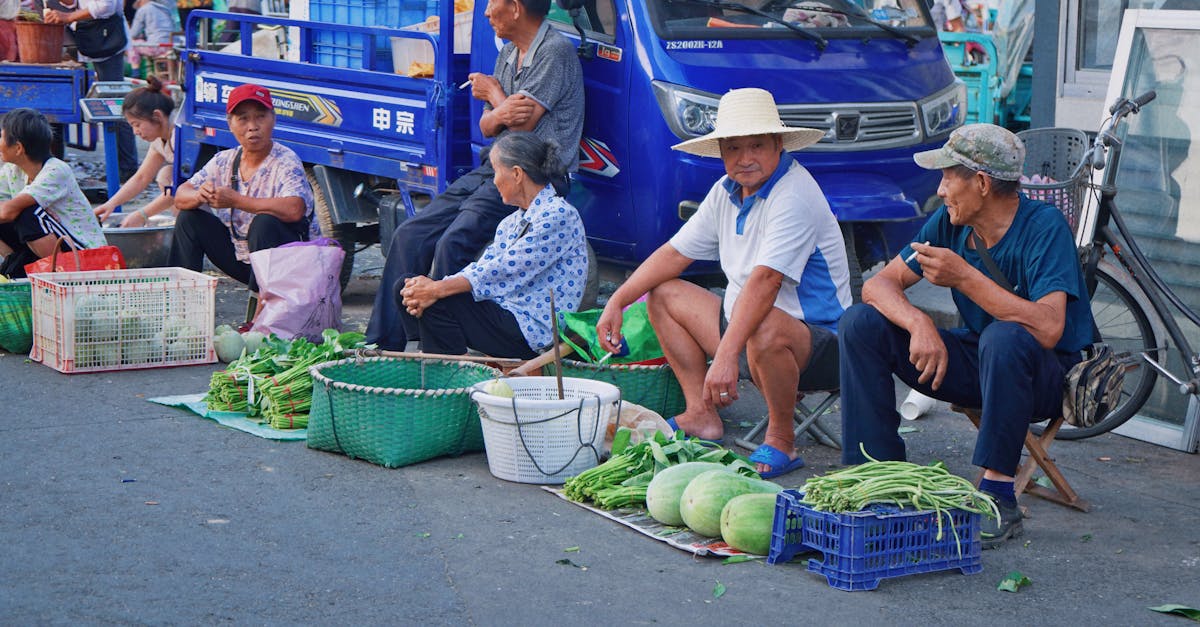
764	19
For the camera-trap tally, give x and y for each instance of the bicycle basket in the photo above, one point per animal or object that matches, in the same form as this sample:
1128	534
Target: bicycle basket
1051	157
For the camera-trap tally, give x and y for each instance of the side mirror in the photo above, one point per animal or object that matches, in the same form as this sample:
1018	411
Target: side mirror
587	49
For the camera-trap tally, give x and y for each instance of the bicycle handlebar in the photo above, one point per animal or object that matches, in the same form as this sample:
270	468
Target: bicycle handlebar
1122	107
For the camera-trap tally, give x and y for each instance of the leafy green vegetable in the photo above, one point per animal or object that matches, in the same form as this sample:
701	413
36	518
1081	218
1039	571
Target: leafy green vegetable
718	590
571	549
1179	610
622	480
282	385
1013	581
737	559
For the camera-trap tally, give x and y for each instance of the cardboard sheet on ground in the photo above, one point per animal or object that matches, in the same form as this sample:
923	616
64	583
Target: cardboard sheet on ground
231	419
679	537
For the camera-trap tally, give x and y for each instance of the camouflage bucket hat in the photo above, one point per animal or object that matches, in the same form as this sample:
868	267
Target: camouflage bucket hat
986	148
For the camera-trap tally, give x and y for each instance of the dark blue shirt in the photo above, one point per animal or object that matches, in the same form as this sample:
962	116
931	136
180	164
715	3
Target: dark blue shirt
1037	255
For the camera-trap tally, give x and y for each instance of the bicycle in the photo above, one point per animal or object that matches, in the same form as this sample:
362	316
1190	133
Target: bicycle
1131	303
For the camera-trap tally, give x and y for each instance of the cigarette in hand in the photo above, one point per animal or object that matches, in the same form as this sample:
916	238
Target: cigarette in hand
465	84
914	254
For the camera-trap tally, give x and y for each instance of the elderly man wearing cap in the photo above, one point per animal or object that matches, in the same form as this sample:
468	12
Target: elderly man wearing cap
1012	267
244	199
780	247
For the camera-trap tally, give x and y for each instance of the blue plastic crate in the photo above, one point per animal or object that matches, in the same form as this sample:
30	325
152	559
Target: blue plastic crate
860	548
340	49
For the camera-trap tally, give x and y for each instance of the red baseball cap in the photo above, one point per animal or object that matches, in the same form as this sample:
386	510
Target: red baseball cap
242	93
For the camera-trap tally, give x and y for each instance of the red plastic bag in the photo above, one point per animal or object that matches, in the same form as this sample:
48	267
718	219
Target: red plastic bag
99	258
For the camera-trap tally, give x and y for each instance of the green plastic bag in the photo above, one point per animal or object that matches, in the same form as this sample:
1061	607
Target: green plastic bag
578	330
16	317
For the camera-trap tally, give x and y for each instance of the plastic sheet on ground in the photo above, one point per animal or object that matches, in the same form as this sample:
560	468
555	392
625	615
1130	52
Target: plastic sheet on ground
231	419
637	519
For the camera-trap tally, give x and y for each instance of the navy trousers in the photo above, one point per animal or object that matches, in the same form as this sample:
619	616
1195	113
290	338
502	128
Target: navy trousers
452	325
446	235
1003	371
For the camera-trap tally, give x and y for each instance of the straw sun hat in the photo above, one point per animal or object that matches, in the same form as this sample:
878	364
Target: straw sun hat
745	112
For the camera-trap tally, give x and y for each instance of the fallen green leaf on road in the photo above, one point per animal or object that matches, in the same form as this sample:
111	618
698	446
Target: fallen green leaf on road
907	430
571	549
1044	481
745	424
423	535
718	590
1013	581
737	559
1179	610
1087	537
566	562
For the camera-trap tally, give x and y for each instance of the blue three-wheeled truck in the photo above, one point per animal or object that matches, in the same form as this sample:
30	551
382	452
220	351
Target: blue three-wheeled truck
378	143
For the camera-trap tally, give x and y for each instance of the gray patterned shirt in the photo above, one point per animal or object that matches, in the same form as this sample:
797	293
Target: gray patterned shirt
550	74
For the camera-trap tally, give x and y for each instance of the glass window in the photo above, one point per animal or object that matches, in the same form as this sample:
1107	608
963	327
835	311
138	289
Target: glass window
1159	177
762	19
597	17
1099	23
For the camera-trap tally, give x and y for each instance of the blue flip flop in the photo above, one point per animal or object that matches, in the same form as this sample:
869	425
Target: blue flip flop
675	428
779	461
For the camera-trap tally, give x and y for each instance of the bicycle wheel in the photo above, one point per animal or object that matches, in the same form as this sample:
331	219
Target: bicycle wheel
1124	325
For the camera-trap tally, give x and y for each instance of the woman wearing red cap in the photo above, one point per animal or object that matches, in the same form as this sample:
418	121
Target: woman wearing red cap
244	199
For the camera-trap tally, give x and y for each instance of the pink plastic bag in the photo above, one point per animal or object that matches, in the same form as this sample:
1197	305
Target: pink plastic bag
298	289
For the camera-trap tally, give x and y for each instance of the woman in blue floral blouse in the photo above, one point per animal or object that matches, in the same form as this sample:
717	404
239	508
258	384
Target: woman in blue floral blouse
500	305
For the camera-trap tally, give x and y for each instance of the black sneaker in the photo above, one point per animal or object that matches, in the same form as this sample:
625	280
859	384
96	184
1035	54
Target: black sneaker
994	532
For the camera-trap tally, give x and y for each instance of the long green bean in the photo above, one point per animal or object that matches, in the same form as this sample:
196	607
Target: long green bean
902	484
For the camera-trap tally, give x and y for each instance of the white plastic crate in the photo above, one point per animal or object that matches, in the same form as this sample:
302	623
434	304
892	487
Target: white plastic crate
122	319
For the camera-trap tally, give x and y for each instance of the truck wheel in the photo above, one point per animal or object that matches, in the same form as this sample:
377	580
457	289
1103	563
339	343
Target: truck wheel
341	233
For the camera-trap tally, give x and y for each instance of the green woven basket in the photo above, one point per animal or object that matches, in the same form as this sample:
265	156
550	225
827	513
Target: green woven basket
652	387
396	411
16	317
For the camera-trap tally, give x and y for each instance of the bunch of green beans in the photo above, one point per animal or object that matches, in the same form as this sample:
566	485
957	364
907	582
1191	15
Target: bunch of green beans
902	484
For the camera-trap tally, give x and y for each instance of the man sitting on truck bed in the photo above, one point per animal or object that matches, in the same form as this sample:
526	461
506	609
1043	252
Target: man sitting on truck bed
779	244
537	86
248	198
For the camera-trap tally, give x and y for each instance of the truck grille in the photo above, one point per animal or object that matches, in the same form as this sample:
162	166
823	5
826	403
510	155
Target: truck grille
857	126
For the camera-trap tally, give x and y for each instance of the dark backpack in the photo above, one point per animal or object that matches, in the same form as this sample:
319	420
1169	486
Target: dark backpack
1093	387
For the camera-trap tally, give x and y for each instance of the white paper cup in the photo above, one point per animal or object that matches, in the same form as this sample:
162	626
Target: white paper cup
915	405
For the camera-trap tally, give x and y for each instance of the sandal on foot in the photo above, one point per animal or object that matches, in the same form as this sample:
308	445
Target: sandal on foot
779	461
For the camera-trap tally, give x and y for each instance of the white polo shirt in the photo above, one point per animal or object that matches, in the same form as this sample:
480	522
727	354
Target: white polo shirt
787	226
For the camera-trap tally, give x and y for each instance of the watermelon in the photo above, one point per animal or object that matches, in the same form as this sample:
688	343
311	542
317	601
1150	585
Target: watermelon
706	495
747	522
665	490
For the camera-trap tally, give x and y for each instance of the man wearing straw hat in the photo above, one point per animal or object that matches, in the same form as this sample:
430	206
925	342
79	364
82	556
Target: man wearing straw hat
780	247
1012	267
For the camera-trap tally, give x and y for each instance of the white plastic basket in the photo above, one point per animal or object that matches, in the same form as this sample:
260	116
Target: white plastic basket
122	319
535	437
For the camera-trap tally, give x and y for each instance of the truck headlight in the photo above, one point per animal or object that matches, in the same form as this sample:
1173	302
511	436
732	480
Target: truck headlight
688	113
946	111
